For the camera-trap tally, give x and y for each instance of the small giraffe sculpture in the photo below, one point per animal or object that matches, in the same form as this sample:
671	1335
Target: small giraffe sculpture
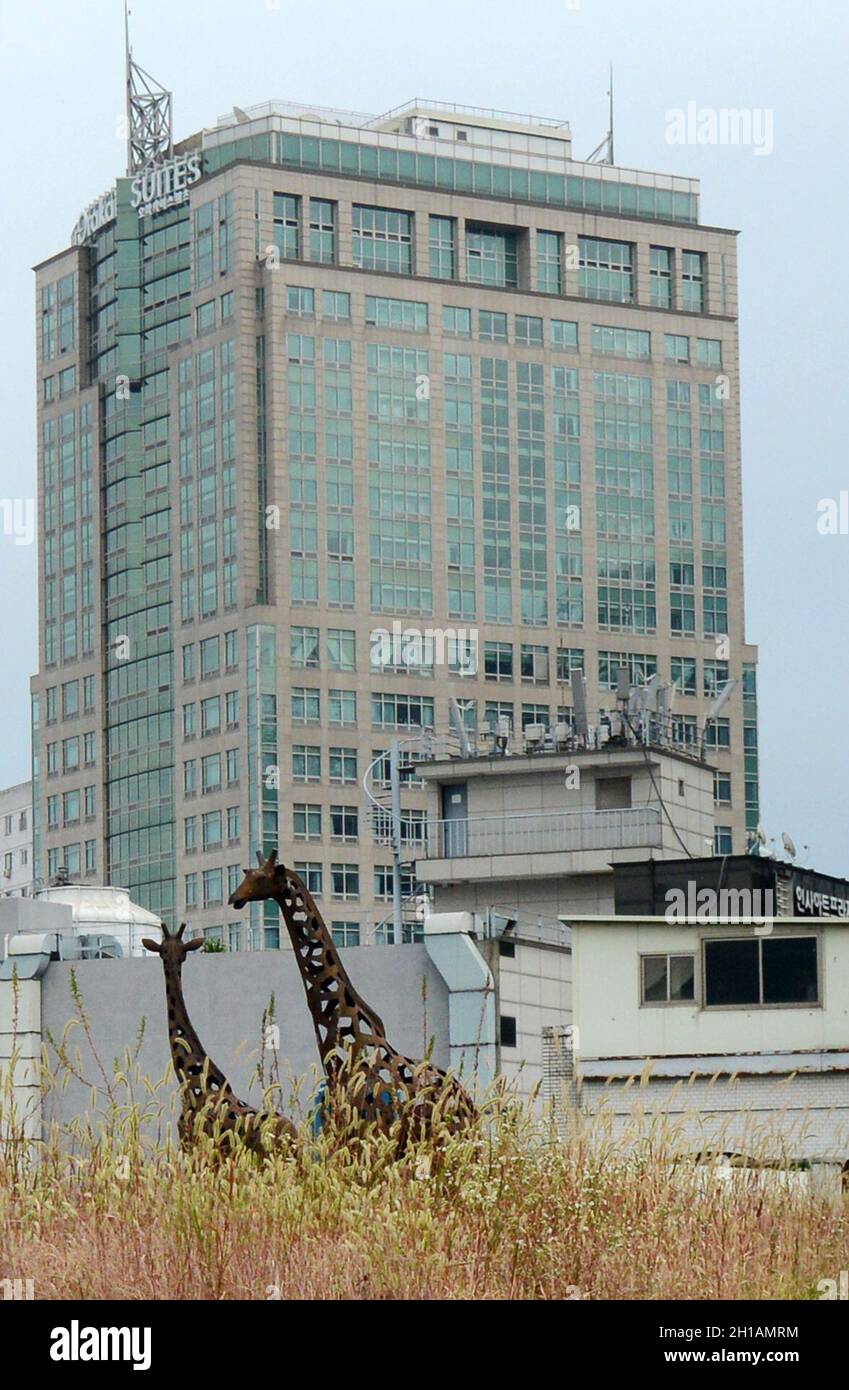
209	1103
350	1035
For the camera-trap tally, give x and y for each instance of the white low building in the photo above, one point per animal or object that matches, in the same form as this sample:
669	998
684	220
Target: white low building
16	841
739	1032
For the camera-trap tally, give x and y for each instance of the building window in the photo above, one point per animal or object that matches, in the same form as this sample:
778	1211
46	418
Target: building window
709	352
492	256
534	664
210	716
676	347
564	335
300	300
498	661
211	773
345	933
442	242
306	762
322	231
343	765
341	649
660	277
312	875
344	823
287	225
722	788
396	313
210	657
492	326
621	342
549	262
382	239
304	647
205	316
306	705
760	971
723	839
693	281
212	830
684	674
344	882
507	1028
456	322
606	270
336	305
528	330
668	979
306	820
213	887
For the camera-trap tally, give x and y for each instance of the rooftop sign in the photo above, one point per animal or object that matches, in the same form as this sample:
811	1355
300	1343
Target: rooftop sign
96	215
167	185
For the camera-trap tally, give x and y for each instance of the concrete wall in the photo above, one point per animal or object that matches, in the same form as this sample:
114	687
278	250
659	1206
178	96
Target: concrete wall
535	988
226	995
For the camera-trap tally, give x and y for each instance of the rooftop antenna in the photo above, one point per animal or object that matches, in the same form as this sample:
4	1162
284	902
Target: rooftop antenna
603	153
150	133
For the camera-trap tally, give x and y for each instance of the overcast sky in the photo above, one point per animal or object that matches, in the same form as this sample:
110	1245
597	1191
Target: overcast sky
61	95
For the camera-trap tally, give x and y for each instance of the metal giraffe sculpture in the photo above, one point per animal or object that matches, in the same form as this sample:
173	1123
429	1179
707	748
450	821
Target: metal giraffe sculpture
350	1035
209	1102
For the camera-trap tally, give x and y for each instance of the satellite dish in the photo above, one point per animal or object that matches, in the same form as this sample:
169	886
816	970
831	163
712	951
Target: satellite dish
241	116
788	844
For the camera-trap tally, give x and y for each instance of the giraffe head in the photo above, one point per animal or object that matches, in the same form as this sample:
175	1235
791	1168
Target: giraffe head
172	948
264	881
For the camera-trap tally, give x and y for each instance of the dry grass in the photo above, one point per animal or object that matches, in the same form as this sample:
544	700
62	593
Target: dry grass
508	1212
109	1207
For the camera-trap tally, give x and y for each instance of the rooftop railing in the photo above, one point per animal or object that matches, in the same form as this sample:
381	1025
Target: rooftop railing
543	832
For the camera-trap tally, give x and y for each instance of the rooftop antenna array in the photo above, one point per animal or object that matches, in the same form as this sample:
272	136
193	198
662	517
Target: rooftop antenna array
150	130
603	153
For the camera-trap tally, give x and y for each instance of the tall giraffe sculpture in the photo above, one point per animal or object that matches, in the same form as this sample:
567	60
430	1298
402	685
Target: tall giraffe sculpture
351	1037
209	1103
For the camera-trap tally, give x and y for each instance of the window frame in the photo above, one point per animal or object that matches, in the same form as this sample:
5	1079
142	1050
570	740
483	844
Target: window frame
760	942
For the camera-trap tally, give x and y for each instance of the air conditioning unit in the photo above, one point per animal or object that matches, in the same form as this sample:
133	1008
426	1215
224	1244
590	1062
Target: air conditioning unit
534	737
562	735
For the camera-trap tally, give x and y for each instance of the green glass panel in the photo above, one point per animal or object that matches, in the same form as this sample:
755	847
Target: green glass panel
426	165
463	175
539	186
519	183
349	157
309	152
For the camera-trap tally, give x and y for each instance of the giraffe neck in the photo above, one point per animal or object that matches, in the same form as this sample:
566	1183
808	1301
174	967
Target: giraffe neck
341	1018
196	1072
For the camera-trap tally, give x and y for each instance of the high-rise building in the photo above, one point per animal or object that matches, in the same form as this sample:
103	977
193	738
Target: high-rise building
309	374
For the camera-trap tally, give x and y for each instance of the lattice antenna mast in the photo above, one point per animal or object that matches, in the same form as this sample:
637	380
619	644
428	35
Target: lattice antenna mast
150	131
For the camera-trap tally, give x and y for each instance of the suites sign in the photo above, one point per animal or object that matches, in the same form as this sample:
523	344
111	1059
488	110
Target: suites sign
166	186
